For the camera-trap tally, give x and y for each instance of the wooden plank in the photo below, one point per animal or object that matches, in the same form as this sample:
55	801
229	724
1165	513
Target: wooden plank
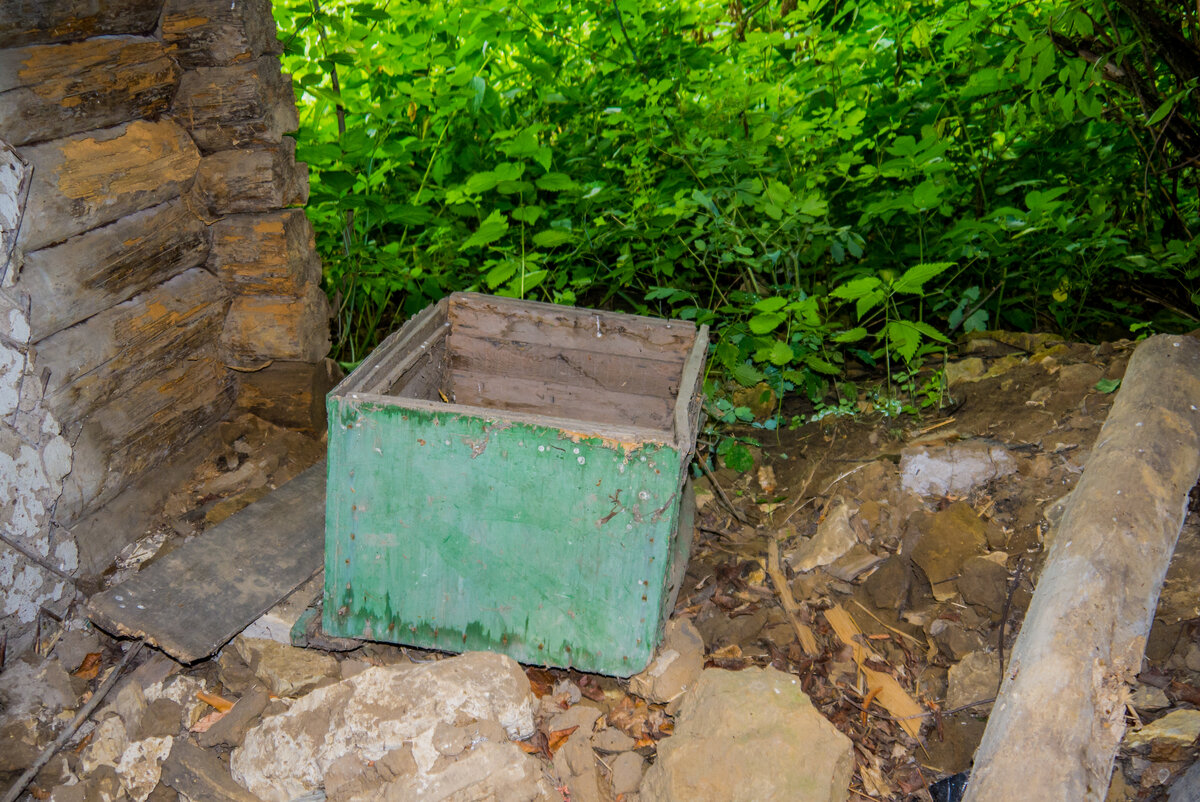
265	327
601	372
383	367
559	399
26	22
689	404
239	105
252	180
52	91
425	376
103	267
208	33
197	598
265	254
620	436
97	360
538	324
84	181
141	428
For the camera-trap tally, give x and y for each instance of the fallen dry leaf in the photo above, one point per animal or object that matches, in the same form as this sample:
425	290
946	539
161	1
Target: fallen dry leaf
590	688
536	744
207	721
90	667
557	738
540	680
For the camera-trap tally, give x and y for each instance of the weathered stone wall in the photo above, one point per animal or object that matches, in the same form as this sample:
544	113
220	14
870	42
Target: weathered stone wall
152	262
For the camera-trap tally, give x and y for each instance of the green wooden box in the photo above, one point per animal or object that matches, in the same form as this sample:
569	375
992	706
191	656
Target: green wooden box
508	475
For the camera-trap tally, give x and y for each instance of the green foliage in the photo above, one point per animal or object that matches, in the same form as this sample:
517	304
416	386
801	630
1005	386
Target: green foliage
821	181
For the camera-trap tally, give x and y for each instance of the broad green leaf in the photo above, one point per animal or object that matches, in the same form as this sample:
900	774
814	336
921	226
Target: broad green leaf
814	206
913	280
766	322
478	90
491	229
739	458
780	353
926	195
857	288
527	214
921	35
747	375
773	304
556	182
851	335
552	237
1107	386
481	182
821	366
338	180
868	302
501	273
1163	110
928	331
902	338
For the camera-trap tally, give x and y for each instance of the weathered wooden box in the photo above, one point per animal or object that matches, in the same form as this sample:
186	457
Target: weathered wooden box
508	475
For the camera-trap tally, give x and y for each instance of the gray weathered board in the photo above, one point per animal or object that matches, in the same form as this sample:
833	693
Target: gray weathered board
195	599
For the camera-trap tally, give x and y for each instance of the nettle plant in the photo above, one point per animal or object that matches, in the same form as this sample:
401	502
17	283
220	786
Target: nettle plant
823	183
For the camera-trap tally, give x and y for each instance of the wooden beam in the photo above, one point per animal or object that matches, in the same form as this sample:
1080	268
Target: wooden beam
208	33
96	270
265	254
84	181
252	180
52	91
1060	716
237	106
26	22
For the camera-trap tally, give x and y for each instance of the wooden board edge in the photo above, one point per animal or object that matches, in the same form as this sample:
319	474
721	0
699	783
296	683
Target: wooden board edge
690	401
630	437
403	344
581	312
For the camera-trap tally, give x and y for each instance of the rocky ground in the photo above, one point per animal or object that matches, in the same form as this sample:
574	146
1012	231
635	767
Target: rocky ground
903	550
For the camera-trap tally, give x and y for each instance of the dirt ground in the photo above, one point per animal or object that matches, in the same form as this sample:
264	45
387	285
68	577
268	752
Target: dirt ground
937	583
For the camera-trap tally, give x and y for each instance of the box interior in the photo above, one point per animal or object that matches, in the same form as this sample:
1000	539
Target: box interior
547	360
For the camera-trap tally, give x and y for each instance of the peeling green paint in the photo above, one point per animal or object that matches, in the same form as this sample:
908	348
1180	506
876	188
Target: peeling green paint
450	531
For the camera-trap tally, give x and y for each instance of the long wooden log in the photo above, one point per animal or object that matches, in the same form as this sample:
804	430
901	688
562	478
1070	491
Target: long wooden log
237	106
265	254
1060	715
94	362
83	181
209	33
96	270
26	22
252	180
52	91
261	328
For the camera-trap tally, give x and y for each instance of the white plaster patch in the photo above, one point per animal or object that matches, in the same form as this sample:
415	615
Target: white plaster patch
66	554
25	491
12	368
14	325
26	587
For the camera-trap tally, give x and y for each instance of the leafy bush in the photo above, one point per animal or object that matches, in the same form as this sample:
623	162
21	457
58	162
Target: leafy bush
819	179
